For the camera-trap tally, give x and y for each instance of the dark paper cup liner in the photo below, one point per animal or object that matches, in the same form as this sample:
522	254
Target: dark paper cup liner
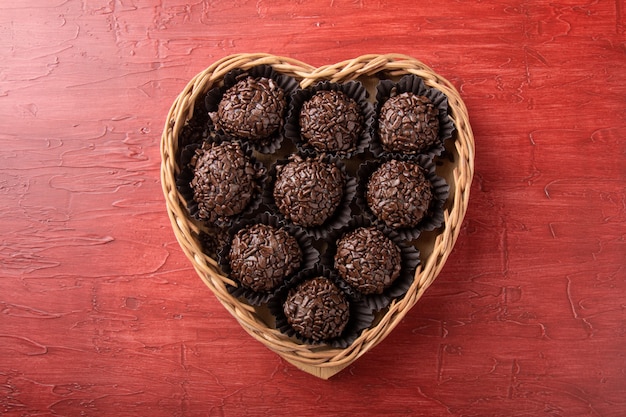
212	239
310	256
351	89
410	259
184	178
337	219
412	84
433	219
361	316
197	128
288	84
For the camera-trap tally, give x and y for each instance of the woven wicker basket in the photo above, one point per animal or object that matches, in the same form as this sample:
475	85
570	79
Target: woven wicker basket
322	362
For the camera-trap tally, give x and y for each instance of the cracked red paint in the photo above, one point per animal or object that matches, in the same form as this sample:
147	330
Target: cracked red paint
101	314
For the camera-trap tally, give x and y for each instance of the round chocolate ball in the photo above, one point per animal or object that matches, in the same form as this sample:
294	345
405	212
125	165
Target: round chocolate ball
317	309
262	256
399	193
224	180
368	260
408	123
331	121
251	109
308	191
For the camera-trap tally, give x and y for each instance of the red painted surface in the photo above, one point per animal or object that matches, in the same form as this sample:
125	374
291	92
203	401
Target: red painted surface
101	313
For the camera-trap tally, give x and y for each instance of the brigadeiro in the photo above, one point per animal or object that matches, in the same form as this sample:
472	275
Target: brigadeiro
312	192
367	260
220	180
411	118
261	256
251	109
399	194
317	309
408	123
330	118
331	121
252	106
404	194
374	260
262	253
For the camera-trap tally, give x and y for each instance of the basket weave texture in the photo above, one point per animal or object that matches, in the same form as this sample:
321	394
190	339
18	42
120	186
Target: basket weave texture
320	361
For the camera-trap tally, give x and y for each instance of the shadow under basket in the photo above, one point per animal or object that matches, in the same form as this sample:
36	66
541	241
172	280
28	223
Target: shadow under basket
456	165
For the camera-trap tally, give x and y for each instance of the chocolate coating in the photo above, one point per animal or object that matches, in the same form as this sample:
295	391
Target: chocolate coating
262	256
224	181
399	193
251	109
368	260
317	309
308	191
408	123
331	121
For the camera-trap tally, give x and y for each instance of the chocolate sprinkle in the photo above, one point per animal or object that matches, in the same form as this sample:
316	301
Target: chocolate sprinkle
251	109
399	193
331	121
368	260
317	309
408	123
262	256
308	191
224	180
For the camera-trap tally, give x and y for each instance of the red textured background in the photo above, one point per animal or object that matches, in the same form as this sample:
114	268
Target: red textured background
101	314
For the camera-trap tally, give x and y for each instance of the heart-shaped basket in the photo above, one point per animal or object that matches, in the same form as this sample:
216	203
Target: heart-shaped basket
457	167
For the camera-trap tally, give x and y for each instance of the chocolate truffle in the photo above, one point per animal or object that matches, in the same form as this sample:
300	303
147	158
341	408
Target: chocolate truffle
399	193
368	260
331	121
308	191
317	309
224	180
262	256
251	109
408	123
